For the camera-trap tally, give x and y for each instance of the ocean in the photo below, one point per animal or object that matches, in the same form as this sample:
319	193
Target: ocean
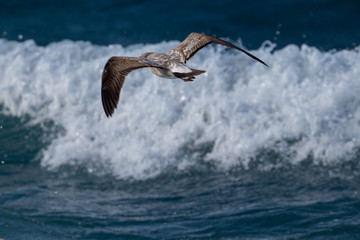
242	152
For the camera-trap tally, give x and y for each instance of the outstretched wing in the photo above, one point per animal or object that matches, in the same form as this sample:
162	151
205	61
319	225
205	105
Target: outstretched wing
196	41
113	77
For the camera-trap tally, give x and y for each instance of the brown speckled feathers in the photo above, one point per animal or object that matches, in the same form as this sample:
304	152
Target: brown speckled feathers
169	64
196	41
113	78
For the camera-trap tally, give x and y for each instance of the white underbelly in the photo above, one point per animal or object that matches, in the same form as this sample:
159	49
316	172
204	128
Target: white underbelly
179	68
165	73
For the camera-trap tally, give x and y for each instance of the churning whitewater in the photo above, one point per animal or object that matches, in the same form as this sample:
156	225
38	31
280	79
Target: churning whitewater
306	105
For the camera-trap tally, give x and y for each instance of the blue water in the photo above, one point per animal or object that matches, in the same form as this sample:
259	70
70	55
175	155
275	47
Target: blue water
243	152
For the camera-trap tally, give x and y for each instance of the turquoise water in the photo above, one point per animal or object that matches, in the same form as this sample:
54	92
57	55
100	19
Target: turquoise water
243	152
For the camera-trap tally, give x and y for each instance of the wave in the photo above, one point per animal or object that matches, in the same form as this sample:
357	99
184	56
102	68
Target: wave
306	105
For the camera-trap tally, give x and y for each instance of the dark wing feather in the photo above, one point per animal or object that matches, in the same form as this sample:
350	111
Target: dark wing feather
113	77
196	41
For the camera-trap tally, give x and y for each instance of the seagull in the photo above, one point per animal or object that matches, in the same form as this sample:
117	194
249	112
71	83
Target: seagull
169	64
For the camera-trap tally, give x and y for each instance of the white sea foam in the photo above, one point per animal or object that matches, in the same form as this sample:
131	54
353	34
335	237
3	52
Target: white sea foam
305	104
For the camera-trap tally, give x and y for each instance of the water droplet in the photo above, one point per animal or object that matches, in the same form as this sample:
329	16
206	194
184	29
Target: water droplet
182	99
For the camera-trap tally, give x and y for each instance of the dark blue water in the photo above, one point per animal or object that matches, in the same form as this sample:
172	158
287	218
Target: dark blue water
245	152
326	24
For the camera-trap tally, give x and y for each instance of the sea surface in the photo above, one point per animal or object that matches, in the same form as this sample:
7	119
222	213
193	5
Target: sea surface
243	152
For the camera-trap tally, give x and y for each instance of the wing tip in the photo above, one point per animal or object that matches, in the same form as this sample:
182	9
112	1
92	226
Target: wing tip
109	108
264	63
223	42
252	56
108	113
109	103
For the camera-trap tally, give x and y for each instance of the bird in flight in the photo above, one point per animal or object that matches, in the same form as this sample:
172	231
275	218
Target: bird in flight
169	64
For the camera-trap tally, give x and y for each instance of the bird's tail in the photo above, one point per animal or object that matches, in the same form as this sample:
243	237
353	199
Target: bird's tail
197	71
189	75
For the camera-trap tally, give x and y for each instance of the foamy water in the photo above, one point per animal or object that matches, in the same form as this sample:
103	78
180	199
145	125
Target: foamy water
305	105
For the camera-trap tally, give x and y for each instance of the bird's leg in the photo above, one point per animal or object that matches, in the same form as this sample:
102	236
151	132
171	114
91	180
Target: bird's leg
188	79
